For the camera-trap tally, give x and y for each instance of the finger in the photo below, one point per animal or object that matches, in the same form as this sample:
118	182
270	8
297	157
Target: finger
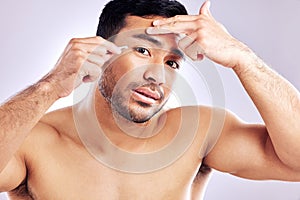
99	50
191	47
93	72
176	27
111	47
204	10
177	18
90	48
85	40
103	50
194	51
91	43
88	40
190	52
89	72
157	31
98	60
186	41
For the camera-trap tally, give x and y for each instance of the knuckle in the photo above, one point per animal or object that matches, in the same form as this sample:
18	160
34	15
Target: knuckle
200	32
177	17
100	64
80	59
99	38
73	40
75	45
201	36
78	54
100	49
199	22
96	72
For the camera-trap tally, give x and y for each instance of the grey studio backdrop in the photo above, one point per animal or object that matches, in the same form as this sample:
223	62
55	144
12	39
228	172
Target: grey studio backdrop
34	33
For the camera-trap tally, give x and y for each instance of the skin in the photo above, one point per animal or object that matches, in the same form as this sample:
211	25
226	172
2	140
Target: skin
44	158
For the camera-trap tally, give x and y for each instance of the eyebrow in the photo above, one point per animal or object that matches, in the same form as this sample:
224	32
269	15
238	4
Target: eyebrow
148	38
158	43
178	53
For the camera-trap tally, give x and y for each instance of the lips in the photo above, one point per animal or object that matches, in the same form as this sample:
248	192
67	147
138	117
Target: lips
146	95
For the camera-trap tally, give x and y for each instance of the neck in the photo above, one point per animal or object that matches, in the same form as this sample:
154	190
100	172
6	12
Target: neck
119	128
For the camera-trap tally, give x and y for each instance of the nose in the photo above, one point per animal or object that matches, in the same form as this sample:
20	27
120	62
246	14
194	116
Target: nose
155	73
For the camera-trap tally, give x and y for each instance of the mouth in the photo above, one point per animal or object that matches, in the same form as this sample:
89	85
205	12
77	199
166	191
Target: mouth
146	95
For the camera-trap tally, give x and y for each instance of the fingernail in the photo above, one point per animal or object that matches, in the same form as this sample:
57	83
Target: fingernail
123	47
208	4
120	49
155	22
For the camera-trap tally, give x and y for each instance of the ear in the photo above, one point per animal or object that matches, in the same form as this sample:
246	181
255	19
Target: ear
204	10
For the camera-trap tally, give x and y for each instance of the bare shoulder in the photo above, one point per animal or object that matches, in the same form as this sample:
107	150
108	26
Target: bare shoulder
209	122
205	110
49	132
61	120
43	138
54	122
206	115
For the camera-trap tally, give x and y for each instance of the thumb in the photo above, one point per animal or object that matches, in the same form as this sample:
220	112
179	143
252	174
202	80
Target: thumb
204	10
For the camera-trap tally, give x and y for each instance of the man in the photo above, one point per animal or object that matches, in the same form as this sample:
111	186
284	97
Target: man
52	156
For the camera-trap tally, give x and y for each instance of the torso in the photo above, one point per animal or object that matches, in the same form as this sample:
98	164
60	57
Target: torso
60	167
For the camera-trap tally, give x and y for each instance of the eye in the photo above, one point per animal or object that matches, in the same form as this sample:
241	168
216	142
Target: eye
143	51
173	64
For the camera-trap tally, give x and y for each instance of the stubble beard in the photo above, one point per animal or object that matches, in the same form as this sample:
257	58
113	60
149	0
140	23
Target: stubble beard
136	112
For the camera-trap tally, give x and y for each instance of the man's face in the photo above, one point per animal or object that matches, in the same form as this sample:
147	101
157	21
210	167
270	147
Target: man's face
138	83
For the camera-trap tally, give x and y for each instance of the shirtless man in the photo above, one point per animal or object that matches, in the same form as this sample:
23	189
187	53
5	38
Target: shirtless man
56	156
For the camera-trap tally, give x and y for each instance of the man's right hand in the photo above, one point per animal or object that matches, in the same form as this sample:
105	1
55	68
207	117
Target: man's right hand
81	61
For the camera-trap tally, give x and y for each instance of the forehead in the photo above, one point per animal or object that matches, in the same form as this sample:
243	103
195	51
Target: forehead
139	22
135	32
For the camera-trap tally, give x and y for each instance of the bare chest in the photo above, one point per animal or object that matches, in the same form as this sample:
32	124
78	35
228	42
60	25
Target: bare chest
74	174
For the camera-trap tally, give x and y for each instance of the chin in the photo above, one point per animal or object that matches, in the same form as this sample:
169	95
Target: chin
138	114
143	115
139	117
140	121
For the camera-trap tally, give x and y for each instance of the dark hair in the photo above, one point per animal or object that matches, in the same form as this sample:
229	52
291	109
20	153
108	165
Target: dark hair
112	19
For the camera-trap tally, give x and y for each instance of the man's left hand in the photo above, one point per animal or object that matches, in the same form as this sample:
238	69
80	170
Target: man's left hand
204	36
